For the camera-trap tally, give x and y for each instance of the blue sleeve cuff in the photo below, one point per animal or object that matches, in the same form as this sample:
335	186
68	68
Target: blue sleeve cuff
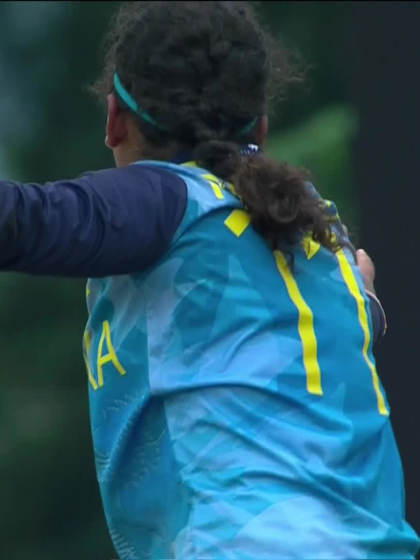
379	322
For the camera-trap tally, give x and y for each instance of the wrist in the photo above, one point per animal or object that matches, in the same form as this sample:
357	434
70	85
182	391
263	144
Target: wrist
372	294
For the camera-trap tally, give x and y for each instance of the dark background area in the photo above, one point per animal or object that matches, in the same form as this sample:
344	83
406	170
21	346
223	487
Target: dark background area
384	86
354	125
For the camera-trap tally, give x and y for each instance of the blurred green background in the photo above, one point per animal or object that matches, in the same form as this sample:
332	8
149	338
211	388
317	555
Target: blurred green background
50	129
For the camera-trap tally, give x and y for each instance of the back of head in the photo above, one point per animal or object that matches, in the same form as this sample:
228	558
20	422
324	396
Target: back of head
202	74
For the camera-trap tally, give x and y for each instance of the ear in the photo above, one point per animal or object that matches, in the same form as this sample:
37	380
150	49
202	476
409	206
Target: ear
261	130
116	124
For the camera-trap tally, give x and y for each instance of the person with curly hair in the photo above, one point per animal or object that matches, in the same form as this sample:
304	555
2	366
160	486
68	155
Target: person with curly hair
236	410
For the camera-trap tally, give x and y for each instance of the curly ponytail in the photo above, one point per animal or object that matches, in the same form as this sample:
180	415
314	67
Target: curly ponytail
276	195
203	72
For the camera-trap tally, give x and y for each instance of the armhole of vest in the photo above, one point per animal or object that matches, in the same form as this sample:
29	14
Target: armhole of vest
154	165
181	226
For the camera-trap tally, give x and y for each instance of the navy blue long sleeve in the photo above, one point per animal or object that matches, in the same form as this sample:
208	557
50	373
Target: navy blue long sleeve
114	221
108	222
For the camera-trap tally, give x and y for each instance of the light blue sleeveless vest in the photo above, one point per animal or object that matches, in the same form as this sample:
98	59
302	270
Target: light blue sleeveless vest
235	406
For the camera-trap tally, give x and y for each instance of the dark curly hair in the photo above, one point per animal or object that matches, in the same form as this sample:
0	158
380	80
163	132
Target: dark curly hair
205	71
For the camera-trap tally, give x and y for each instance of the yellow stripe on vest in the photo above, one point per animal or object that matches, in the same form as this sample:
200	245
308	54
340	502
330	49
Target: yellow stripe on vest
215	185
310	246
305	327
353	287
238	221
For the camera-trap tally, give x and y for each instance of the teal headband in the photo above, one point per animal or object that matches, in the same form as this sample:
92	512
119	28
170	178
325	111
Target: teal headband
130	102
247	128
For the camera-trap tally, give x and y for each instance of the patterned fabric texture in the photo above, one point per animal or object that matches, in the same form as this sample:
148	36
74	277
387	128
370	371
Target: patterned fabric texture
235	406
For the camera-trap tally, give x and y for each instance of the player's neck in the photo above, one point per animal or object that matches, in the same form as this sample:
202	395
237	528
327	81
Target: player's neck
127	153
123	158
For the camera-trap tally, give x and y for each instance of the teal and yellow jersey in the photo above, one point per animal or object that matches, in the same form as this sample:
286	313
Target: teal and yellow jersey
236	409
